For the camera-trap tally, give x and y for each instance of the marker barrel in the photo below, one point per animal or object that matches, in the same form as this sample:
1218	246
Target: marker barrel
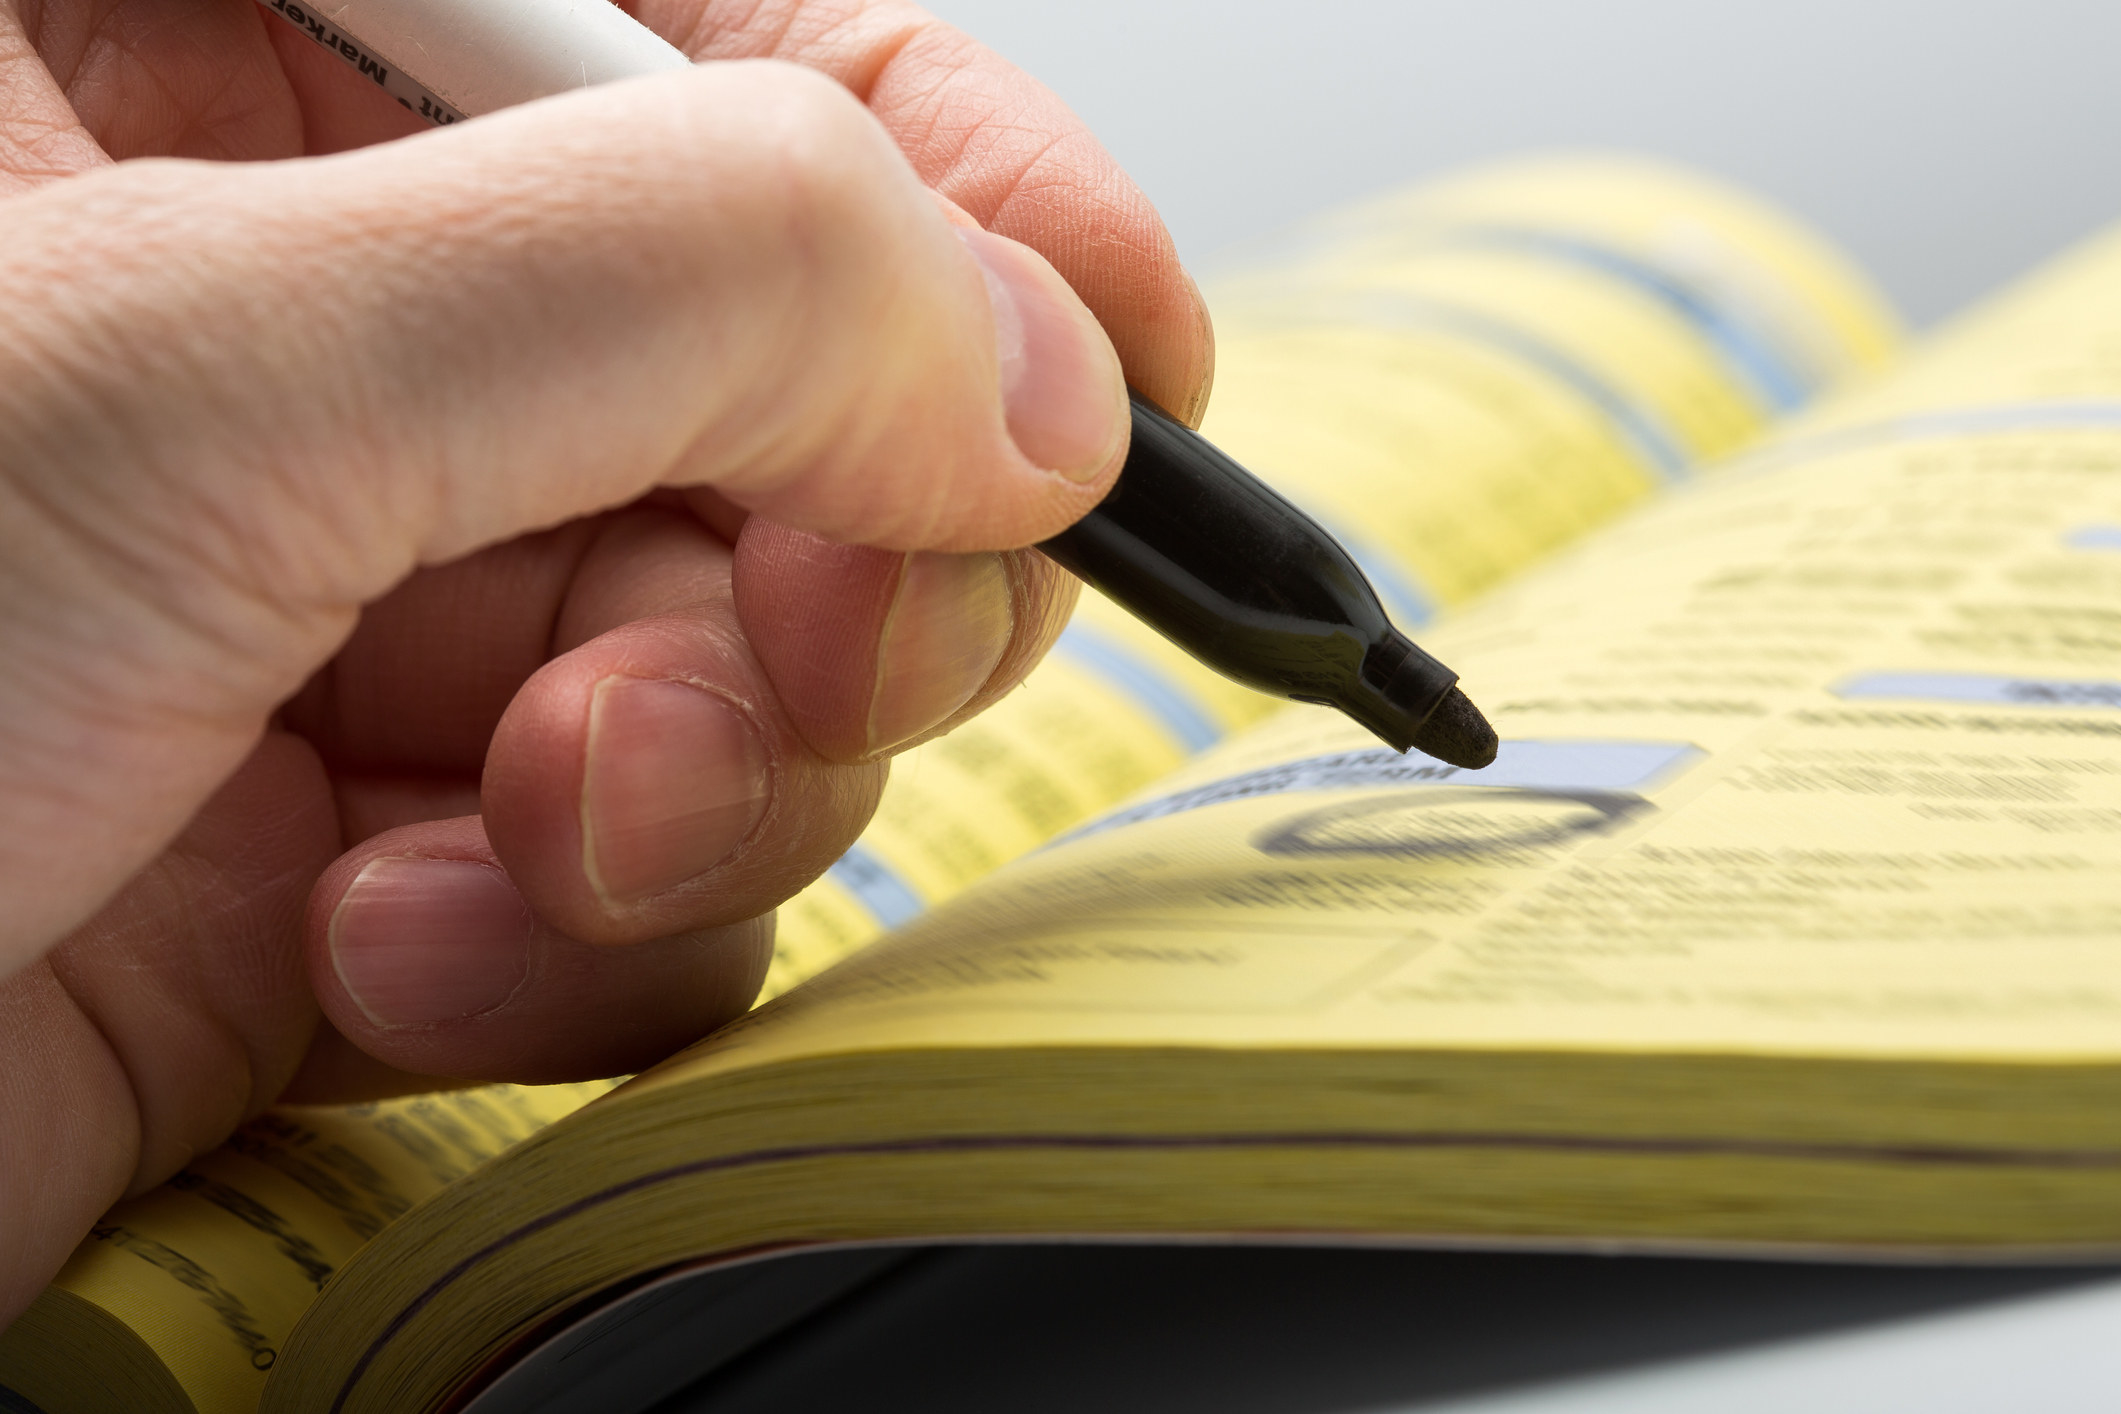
451	59
1216	561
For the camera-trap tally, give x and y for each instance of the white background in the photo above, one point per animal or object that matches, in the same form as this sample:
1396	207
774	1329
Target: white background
1948	145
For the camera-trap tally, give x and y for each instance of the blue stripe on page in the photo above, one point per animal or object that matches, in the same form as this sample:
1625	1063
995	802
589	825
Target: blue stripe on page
2094	537
1395	587
1984	687
877	886
1652	443
1749	351
2058	415
1522	765
1175	709
2061	414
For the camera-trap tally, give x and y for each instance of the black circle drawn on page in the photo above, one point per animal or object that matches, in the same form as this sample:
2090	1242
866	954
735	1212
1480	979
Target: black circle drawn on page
1433	823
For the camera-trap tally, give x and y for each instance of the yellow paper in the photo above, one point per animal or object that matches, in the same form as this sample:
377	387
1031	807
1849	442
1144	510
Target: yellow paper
212	1269
1457	383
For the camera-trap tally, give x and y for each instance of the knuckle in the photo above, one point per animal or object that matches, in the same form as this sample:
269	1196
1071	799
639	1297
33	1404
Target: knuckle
837	171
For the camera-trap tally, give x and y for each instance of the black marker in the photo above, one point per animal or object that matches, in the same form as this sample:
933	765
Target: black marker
1189	541
1205	553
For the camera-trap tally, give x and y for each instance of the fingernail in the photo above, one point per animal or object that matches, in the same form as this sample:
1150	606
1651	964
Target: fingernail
948	626
1062	390
425	940
676	778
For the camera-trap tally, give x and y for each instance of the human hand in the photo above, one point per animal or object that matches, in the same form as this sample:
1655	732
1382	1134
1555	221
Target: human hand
396	682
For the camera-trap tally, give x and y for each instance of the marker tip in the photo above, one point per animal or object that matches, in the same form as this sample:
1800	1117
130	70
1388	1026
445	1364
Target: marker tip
1457	733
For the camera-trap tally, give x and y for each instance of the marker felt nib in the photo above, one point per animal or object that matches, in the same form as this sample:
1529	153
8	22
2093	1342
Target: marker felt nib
1457	733
1204	552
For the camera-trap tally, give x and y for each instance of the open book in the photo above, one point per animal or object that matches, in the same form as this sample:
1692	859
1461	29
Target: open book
1786	919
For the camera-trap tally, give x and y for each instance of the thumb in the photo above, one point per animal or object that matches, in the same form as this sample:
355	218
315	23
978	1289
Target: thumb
239	402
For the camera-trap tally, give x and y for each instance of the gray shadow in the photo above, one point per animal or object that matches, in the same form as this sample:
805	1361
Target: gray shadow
1131	1330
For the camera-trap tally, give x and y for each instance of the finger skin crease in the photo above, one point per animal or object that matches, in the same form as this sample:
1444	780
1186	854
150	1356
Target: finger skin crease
582	551
883	52
41	137
79	1105
1009	154
219	1082
192	134
132	1124
59	45
172	78
253	635
852	41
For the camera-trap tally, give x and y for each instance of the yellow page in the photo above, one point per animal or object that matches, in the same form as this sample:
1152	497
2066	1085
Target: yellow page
214	1267
1788	914
1457	381
1456	396
1819	758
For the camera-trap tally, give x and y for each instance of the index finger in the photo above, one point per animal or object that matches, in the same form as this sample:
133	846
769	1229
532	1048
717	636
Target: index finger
976	128
1002	147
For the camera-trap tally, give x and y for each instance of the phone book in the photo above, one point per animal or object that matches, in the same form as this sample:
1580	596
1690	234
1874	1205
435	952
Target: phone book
1786	920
